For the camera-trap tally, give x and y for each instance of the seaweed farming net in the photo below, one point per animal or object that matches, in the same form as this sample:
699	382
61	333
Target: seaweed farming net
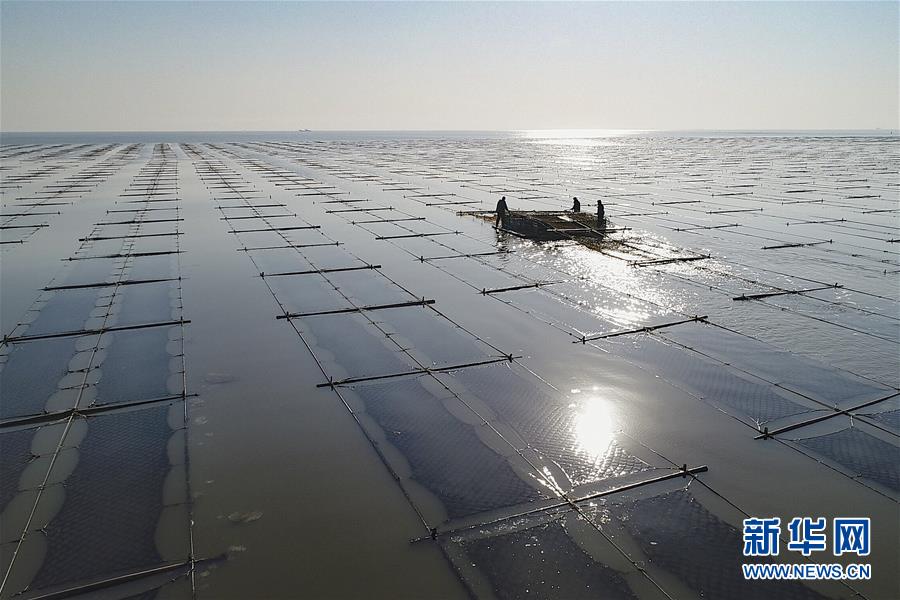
543	562
15	447
445	455
673	529
97	354
861	454
108	521
549	426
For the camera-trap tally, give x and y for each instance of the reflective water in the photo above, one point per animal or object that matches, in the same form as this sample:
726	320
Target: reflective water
296	450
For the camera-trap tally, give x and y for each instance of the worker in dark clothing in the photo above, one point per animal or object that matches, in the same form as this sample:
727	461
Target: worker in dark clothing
601	212
576	205
502	210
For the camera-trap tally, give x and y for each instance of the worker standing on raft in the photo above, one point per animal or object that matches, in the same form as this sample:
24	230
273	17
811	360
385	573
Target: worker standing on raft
576	205
601	212
502	211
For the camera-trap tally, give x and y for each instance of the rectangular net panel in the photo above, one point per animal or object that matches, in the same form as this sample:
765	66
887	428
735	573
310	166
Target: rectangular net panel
890	418
549	424
15	454
114	499
789	370
432	339
136	366
65	310
368	287
714	382
144	303
31	372
862	454
680	536
445	455
353	346
307	294
543	562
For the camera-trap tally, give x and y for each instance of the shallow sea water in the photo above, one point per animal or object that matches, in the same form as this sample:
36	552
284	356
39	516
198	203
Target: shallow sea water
290	357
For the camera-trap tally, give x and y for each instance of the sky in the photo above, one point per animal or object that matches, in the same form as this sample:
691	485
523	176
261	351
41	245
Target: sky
210	66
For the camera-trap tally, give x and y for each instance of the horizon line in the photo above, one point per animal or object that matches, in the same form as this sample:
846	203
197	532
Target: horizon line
561	129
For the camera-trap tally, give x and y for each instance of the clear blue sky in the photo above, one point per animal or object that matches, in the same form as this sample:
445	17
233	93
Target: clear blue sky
253	65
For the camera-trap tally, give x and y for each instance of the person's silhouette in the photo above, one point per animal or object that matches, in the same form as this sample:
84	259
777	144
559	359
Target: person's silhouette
502	209
576	205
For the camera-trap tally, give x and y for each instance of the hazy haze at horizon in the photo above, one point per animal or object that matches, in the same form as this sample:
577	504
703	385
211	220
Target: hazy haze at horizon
434	66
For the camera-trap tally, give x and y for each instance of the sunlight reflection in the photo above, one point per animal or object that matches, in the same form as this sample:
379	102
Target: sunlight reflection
575	137
594	426
575	133
611	288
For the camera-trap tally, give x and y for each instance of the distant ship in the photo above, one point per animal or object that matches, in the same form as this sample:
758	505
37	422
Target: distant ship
302	130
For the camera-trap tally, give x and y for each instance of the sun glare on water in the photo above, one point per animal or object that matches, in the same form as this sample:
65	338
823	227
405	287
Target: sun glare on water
595	425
